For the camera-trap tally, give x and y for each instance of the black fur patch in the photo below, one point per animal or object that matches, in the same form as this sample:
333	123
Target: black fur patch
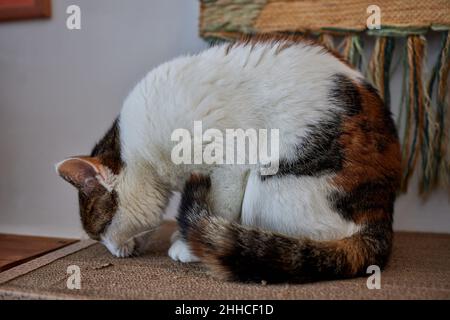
194	202
108	148
253	259
320	152
345	95
367	197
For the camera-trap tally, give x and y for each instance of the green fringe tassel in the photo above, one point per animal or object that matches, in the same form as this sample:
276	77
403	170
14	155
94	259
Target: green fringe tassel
414	107
352	50
327	41
380	66
439	175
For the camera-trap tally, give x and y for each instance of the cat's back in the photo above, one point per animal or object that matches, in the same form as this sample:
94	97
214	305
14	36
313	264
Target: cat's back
264	84
254	80
270	72
240	66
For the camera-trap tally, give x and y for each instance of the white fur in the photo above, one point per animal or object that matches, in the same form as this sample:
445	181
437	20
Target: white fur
294	206
179	251
109	180
142	201
250	87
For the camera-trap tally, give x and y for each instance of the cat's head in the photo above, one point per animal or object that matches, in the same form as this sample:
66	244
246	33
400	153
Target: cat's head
107	210
96	189
119	206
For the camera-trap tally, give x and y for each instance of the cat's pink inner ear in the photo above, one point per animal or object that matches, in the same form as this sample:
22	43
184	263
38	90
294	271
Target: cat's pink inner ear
82	172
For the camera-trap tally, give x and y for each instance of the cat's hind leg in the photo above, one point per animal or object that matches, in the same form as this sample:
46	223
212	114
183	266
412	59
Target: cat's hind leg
195	194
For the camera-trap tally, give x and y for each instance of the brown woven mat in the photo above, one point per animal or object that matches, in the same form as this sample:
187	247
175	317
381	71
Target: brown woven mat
222	18
419	269
350	14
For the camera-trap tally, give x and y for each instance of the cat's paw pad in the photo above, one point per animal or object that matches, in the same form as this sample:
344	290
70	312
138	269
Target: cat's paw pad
179	251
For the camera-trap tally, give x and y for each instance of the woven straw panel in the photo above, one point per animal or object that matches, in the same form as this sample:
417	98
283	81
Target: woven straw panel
261	16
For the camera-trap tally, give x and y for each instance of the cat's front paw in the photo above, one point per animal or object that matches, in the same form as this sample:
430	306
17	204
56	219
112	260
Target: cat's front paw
179	251
120	251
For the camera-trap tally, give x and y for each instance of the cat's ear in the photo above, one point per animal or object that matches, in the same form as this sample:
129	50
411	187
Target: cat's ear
85	173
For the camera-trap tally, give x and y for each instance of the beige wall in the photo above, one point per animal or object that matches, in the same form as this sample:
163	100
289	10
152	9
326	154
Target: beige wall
60	90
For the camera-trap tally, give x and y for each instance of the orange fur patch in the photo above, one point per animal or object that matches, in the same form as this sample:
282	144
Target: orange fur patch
354	253
364	161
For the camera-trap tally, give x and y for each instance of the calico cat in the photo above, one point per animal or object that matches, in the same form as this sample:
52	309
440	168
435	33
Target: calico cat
326	213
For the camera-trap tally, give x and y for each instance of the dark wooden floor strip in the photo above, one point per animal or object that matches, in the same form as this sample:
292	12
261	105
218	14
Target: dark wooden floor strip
17	249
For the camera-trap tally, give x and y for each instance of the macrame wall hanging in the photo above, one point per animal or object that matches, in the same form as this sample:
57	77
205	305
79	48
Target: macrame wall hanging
341	25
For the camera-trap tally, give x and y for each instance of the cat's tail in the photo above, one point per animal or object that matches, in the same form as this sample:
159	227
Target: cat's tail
235	252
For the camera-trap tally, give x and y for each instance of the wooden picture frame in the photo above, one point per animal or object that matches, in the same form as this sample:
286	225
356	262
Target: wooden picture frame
11	10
